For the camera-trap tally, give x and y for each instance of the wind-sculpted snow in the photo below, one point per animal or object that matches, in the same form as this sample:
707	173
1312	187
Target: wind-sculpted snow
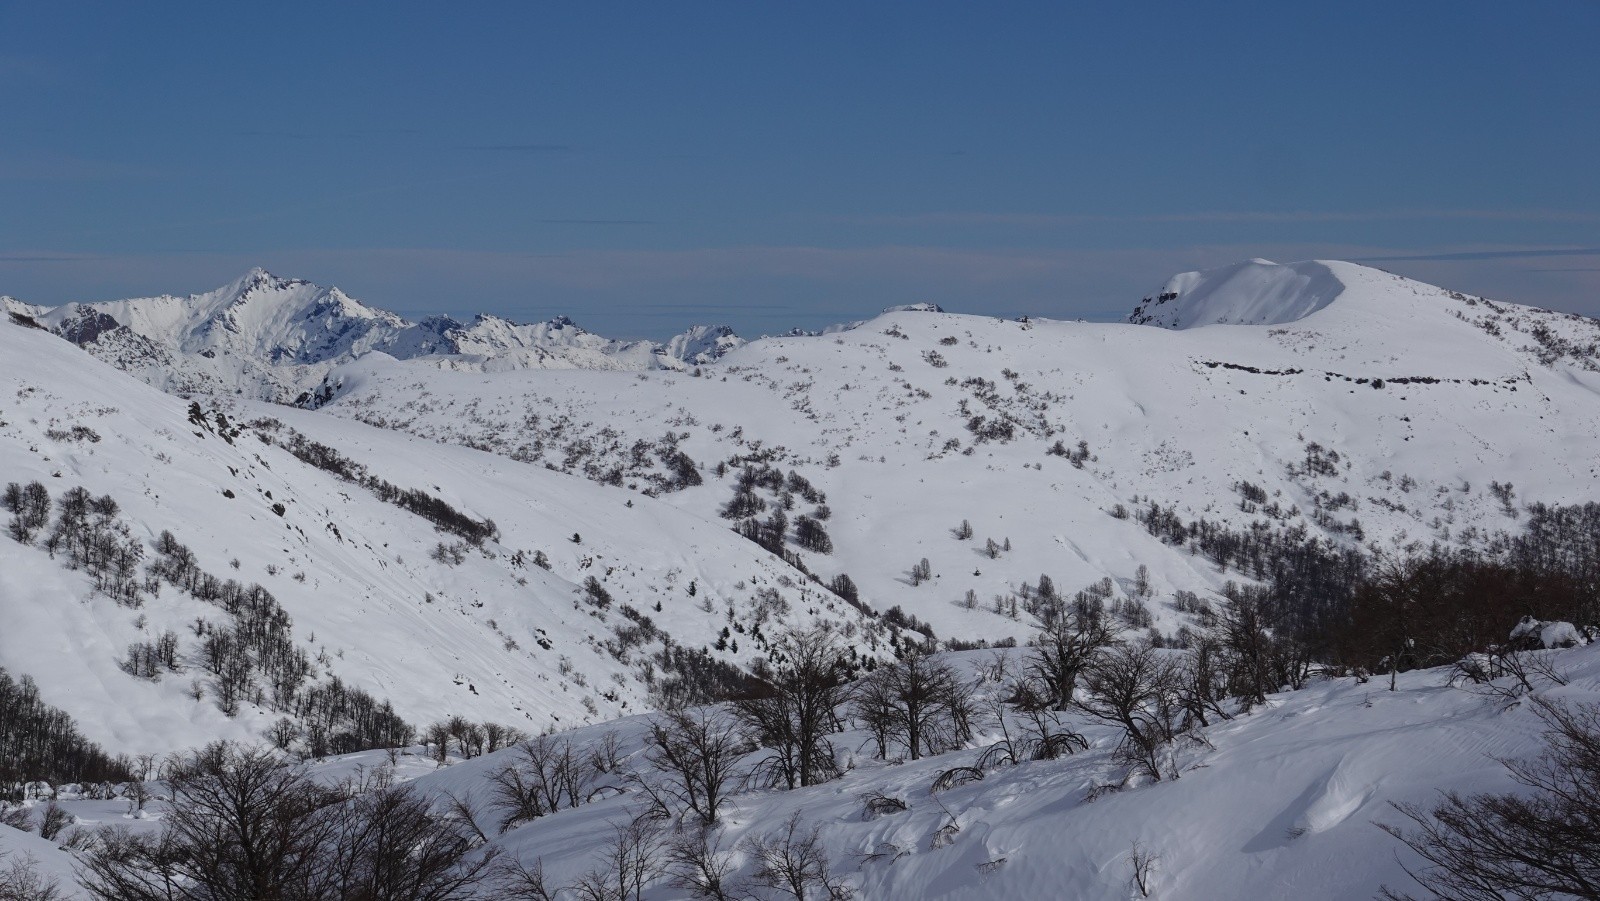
1255	292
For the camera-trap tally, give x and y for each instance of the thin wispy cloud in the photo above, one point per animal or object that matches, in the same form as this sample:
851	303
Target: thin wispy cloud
1474	255
529	149
44	258
1045	220
596	221
325	135
67	168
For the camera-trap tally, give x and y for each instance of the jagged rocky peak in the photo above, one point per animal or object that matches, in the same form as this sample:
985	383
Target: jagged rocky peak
258	279
275	338
702	344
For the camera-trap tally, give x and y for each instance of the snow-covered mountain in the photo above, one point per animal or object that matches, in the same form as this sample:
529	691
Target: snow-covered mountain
557	617
1373	411
273	338
1367	410
533	525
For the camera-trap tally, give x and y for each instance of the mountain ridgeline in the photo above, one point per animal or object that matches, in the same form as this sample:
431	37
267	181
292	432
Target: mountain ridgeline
272	338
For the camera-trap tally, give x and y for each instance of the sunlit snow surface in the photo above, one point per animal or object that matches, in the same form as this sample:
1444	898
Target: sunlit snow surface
1426	397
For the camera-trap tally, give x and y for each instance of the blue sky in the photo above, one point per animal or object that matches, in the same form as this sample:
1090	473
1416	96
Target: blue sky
645	166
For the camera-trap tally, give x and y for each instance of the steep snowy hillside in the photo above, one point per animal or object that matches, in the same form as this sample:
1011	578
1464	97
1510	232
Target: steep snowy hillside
305	547
1395	415
272	338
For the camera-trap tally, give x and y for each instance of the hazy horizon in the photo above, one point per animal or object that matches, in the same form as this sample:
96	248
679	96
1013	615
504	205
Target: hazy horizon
642	168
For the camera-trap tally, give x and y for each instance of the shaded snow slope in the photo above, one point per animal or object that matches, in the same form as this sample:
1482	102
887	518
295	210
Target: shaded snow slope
492	636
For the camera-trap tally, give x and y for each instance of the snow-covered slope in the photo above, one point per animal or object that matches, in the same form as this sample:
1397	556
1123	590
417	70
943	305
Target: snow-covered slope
1353	405
1384	417
1255	292
1279	803
272	338
377	596
1394	415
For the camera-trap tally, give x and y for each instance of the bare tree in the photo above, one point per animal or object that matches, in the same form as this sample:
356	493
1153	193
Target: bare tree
16	817
795	862
548	774
1133	687
463	808
1069	640
630	863
469	737
1143	863
20	880
1538	845
921	571
517	881
696	756
920	702
797	707
701	866
1242	631
123	865
246	826
605	756
30	505
497	736
1042	738
1202	684
387	845
54	819
437	738
1508	673
875	706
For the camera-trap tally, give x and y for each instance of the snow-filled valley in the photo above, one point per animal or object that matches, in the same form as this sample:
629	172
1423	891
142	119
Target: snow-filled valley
306	521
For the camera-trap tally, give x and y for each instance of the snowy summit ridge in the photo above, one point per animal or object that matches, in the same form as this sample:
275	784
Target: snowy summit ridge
1255	292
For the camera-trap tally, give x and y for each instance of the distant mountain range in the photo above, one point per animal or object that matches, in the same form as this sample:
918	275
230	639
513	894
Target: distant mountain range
272	338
